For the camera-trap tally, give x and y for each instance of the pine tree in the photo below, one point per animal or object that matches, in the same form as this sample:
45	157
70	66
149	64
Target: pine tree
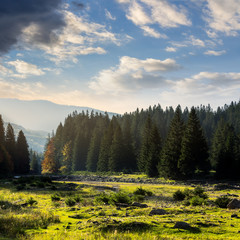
10	145
93	151
34	165
224	154
67	158
168	166
49	164
116	158
145	146
2	132
194	151
154	153
6	164
22	157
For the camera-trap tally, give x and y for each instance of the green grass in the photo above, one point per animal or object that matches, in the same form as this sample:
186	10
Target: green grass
51	218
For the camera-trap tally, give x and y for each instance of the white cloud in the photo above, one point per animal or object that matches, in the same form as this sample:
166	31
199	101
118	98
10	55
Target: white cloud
4	70
170	49
144	13
25	69
109	15
132	74
215	53
196	42
223	16
78	37
152	33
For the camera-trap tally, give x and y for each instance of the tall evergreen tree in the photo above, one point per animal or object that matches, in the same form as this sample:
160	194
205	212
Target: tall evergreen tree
145	146
34	164
10	144
168	166
22	157
6	164
224	154
154	152
67	158
2	132
93	151
116	159
194	151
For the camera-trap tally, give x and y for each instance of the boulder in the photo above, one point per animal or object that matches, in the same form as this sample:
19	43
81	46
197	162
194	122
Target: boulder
140	205
157	212
182	225
235	203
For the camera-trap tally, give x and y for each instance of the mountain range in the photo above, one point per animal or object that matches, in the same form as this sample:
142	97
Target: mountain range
37	118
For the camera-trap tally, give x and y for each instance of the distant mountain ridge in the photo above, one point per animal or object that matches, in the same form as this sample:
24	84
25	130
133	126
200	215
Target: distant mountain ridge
35	139
39	114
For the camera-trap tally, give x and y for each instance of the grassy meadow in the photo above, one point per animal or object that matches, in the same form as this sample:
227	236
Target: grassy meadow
38	208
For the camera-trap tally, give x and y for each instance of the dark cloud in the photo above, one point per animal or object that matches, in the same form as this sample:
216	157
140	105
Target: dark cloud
79	5
15	15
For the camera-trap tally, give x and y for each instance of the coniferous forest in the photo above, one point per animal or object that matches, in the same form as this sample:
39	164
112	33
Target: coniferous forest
171	143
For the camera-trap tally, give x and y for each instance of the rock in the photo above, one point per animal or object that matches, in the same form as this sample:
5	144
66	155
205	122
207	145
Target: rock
122	205
182	225
235	203
136	204
234	216
157	212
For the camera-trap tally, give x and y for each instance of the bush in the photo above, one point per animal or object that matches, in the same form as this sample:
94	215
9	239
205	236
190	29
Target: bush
143	192
31	201
196	201
222	201
121	197
70	202
199	191
55	197
77	198
178	195
103	198
138	198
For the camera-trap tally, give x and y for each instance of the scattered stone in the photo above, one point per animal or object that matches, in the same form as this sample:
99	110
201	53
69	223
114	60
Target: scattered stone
157	212
232	225
235	203
140	205
122	205
182	225
234	216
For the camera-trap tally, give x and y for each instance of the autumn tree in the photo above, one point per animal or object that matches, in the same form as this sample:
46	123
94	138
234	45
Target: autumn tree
49	164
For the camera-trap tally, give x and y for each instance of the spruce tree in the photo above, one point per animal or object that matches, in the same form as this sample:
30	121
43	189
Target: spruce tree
154	153
168	166
10	145
224	154
116	159
67	158
194	151
2	132
93	151
145	146
34	165
22	157
6	164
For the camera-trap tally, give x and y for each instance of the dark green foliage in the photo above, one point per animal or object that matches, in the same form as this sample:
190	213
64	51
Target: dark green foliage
22	159
121	197
6	164
194	151
168	166
70	202
103	198
196	201
222	201
55	197
225	152
2	132
178	195
143	192
31	201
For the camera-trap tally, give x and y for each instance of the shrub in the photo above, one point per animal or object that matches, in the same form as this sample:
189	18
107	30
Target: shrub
143	192
103	198
70	202
179	195
77	198
197	201
55	197
31	201
138	198
222	201
121	197
199	191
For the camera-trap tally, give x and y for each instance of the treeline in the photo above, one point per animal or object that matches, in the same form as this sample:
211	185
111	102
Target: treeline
167	143
14	154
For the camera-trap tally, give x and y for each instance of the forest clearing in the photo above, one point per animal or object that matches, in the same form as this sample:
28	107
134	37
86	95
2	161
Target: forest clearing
39	208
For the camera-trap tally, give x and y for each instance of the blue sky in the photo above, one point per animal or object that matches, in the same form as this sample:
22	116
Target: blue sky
117	55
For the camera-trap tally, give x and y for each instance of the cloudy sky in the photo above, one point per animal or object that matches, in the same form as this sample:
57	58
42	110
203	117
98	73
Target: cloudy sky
117	55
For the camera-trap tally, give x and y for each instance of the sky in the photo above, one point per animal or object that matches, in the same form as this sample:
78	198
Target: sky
119	55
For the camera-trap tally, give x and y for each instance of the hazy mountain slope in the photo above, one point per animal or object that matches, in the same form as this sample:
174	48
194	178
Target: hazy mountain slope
38	114
35	139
